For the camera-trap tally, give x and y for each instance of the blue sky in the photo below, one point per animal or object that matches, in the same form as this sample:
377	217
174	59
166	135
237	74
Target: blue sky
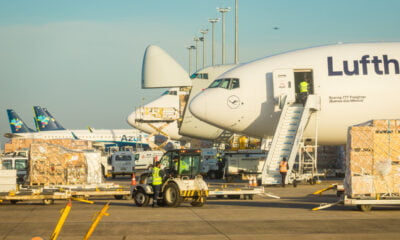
82	59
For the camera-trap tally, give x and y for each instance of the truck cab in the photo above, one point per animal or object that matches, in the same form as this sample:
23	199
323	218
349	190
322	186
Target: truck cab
178	163
123	163
16	160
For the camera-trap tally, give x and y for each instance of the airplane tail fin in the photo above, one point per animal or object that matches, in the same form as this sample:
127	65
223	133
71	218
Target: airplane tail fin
55	121
17	125
45	121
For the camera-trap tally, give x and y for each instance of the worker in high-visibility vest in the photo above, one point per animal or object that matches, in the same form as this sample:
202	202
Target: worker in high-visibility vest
183	166
157	182
303	89
283	169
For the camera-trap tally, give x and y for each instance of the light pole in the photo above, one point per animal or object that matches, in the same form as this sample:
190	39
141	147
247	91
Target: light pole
196	39
204	32
190	48
213	21
236	32
223	11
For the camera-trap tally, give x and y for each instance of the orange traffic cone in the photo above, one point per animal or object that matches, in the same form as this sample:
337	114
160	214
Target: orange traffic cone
255	181
133	183
250	181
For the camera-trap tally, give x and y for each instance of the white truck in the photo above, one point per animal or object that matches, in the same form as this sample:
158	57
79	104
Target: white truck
17	160
143	159
209	163
243	163
123	163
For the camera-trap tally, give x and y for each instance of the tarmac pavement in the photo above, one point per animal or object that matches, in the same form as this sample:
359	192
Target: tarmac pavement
261	218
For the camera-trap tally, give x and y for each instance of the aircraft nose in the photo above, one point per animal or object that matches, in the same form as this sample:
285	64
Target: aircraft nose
198	106
131	119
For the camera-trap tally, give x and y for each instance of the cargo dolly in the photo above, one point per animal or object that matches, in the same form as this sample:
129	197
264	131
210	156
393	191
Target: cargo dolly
49	194
362	203
232	191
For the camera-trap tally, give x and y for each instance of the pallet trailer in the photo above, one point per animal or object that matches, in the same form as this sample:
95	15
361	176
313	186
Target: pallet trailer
364	204
49	194
246	193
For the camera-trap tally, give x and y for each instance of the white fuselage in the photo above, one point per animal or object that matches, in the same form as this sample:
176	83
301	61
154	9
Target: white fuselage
192	126
160	114
355	83
100	135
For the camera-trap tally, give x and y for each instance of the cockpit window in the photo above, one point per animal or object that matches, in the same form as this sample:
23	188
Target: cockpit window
235	83
199	75
170	93
227	83
215	83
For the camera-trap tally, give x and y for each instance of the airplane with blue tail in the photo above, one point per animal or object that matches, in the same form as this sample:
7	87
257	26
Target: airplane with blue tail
49	128
17	125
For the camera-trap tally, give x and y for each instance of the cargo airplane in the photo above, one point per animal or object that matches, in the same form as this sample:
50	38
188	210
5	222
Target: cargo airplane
348	84
168	113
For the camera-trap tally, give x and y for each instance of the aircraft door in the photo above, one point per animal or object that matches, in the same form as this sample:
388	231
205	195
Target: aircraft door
283	85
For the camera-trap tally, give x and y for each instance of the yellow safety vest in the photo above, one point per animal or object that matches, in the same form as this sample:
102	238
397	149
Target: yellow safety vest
303	87
283	166
184	166
157	180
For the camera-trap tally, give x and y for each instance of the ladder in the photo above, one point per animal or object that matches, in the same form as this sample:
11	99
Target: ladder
286	141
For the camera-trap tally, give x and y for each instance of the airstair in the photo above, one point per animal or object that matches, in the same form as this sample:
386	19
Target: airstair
288	139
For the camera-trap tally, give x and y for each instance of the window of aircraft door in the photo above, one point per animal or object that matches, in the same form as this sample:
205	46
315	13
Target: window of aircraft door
283	84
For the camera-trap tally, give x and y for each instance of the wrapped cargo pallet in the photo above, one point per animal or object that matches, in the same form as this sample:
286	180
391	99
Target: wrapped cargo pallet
93	160
373	160
20	143
8	180
55	165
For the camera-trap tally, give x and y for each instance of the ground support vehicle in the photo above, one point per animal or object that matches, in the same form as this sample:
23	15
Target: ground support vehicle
243	164
210	165
182	181
123	163
144	159
16	160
